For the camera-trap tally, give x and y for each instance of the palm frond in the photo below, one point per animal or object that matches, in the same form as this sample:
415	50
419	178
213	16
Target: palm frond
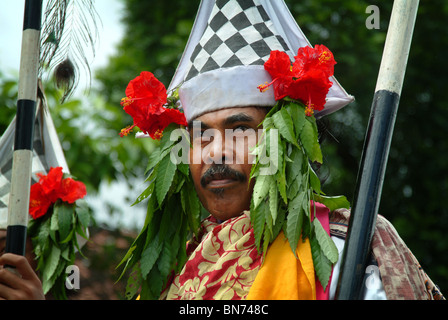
69	30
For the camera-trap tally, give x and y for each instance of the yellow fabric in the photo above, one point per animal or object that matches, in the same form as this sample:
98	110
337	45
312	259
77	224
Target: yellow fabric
278	280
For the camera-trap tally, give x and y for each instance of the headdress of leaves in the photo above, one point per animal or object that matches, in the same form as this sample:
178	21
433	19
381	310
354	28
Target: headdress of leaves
159	248
59	215
281	201
68	29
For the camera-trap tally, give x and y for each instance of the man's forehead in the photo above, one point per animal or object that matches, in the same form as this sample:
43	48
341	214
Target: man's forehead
230	115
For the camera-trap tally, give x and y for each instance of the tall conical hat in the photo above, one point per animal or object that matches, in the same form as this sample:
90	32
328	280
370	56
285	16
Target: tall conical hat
222	64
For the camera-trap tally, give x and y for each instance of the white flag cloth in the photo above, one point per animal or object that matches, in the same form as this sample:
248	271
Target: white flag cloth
47	153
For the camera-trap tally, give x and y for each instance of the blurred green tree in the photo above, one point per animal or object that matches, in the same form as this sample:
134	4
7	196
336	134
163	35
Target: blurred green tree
415	183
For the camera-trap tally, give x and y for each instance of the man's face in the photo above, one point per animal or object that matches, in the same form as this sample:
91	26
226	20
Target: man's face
220	160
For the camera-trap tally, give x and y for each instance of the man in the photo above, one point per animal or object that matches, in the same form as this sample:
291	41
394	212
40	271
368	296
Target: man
224	192
238	253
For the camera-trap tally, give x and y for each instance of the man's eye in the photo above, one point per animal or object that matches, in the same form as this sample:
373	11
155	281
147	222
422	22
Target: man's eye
241	128
203	135
197	134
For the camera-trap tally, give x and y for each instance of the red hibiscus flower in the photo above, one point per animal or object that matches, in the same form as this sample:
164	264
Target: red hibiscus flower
39	202
52	187
318	59
144	102
306	80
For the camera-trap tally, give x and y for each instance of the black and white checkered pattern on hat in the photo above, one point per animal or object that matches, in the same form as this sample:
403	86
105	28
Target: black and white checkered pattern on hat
239	33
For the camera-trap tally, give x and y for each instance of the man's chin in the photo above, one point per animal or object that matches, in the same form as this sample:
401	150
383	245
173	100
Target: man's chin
218	191
226	203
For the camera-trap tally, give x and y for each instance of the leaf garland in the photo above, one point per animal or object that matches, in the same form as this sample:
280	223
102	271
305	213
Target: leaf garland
281	200
160	247
282	197
55	241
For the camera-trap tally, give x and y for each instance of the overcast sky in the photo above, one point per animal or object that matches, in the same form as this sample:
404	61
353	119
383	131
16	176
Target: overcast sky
11	22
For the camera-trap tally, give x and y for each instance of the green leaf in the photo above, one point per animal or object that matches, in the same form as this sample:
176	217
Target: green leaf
279	223
283	122
42	238
192	205
126	258
297	202
165	176
65	253
310	143
261	189
281	173
145	194
297	113
165	263
154	159
258	219
314	180
333	203
155	283
273	110
83	213
165	223
295	220
267	237
327	245
273	202
54	222
294	166
52	262
281	183
160	153
133	283
184	168
322	265
65	215
150	256
268	220
180	239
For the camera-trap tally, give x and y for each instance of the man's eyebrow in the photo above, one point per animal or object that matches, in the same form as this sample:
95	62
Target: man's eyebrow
239	117
199	123
234	118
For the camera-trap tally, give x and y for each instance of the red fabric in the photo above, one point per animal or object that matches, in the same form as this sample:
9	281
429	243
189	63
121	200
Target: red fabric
222	265
224	261
323	215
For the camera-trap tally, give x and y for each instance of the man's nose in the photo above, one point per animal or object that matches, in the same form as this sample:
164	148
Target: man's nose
219	151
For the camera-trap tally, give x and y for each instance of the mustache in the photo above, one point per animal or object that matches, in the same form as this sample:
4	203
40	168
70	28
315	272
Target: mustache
219	172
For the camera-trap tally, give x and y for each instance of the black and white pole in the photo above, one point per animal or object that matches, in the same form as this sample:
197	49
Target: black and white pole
376	149
23	144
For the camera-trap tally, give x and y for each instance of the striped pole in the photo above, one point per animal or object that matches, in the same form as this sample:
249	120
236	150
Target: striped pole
376	149
23	144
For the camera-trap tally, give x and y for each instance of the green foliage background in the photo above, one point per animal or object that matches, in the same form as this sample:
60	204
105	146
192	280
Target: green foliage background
416	180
